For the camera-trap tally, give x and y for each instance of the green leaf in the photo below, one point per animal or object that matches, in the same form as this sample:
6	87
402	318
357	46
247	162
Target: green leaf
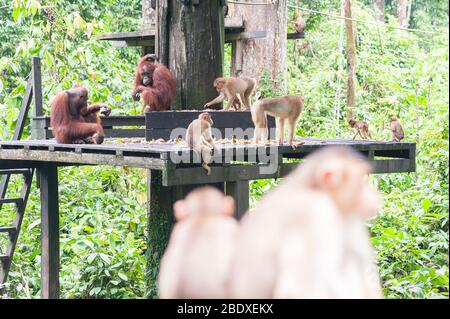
426	203
123	276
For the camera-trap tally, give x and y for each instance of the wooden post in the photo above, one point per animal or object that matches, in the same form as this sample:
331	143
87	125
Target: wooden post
351	59
148	22
190	40
267	55
48	177
379	10
240	192
417	113
37	96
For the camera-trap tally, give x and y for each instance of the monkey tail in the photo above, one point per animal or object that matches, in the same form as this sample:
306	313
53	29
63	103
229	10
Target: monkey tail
259	115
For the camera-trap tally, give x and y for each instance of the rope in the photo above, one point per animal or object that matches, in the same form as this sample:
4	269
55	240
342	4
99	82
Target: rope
366	22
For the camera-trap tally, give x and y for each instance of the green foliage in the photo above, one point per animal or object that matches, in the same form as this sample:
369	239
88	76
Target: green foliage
103	210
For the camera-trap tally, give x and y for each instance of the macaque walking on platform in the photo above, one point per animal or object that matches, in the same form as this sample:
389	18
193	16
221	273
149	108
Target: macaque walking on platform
286	108
235	90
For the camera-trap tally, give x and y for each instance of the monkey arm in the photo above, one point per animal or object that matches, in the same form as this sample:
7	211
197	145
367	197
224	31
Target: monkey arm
217	100
97	107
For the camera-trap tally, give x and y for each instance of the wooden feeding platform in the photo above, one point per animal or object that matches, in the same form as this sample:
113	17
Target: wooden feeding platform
170	179
239	160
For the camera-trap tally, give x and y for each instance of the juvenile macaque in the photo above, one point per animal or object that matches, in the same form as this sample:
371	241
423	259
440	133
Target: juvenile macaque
299	23
282	108
197	260
233	88
397	133
199	138
362	128
307	238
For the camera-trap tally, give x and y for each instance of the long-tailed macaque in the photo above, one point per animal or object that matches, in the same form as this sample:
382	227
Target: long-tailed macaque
307	238
282	108
397	133
197	260
199	138
233	88
361	127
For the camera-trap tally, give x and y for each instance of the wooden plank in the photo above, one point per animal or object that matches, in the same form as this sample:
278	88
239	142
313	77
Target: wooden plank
293	36
116	133
23	113
116	120
245	35
17	201
8	230
392	166
14	171
82	158
175	119
145	33
232	173
161	124
240	192
48	180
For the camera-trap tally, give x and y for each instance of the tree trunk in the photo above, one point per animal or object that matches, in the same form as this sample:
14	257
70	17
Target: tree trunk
269	53
190	40
379	10
351	59
402	13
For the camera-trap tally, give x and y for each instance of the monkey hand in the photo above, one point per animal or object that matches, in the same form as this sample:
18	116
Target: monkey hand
136	96
105	110
206	105
98	138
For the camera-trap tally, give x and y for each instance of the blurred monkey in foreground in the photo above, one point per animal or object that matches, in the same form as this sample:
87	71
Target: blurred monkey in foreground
307	238
282	108
199	138
197	260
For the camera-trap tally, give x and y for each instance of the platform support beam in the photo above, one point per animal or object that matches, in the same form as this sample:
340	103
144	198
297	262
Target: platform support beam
48	180
240	192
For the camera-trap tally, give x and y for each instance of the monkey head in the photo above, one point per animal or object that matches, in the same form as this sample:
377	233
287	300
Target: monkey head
206	117
204	201
351	122
146	72
342	174
78	99
219	83
393	118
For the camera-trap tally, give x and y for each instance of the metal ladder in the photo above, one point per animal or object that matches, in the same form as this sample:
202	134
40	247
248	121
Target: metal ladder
34	84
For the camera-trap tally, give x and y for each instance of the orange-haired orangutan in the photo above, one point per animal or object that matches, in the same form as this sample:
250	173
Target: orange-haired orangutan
74	120
154	83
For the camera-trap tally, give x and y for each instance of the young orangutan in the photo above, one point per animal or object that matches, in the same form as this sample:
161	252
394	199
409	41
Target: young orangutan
307	238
